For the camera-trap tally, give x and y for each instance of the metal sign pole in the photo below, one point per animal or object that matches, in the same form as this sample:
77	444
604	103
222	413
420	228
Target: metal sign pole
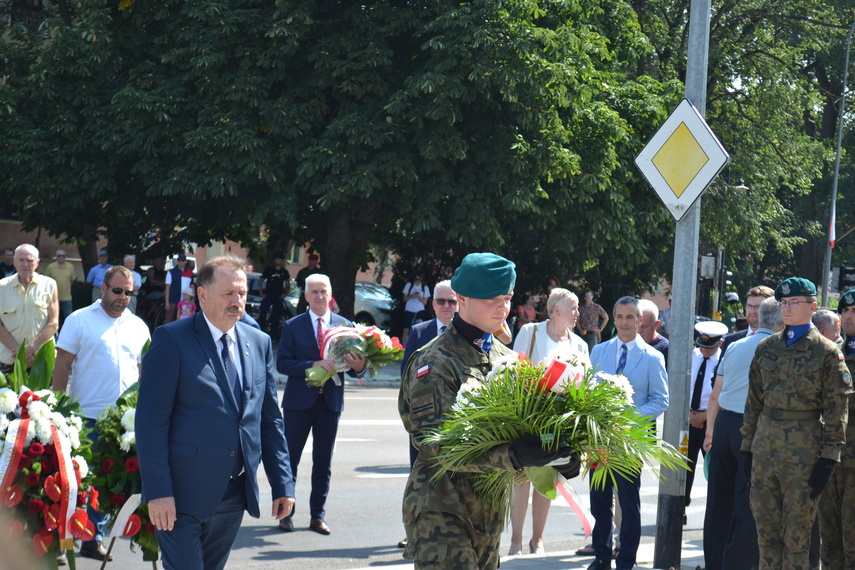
672	489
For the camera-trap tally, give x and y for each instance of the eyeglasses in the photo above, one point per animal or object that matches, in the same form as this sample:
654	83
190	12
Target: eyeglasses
61	255
442	302
790	304
119	291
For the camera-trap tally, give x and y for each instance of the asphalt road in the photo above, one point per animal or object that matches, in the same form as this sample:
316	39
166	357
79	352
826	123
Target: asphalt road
364	508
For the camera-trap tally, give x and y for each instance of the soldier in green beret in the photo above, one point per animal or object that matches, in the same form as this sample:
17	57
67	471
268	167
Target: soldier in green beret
795	424
448	525
837	502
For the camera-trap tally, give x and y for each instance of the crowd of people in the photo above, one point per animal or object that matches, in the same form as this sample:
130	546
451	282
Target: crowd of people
769	404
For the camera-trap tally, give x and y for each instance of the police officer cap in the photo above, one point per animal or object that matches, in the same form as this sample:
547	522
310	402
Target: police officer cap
846	300
484	276
795	287
709	333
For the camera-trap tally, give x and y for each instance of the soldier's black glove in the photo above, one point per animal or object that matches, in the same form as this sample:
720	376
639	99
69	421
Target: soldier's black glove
528	451
820	476
570	469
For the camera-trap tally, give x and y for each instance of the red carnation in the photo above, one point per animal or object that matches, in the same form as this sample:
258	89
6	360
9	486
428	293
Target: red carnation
149	527
93	498
81	498
107	466
36	449
132	465
36	505
48	464
396	343
118	498
24	462
32	479
50	450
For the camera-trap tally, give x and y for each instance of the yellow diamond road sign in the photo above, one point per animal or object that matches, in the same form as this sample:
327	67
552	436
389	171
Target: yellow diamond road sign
682	159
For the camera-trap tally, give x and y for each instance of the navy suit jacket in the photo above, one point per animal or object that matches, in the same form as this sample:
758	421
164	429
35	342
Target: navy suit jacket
420	335
188	423
298	351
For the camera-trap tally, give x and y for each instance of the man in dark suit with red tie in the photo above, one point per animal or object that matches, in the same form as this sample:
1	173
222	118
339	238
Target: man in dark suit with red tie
207	416
308	409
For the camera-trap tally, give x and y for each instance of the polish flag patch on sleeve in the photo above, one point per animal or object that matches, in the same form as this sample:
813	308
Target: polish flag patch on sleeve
422	371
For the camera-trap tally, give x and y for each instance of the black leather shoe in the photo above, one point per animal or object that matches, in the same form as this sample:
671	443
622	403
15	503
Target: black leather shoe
600	565
94	549
319	526
285	525
61	559
402	544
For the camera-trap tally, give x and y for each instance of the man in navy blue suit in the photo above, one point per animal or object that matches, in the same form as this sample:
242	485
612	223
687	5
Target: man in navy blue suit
309	409
644	367
207	416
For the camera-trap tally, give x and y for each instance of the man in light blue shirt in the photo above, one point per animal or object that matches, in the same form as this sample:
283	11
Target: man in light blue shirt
730	533
95	277
644	367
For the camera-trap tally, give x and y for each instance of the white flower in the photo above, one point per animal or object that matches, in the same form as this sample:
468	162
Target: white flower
75	422
31	432
128	439
8	401
503	363
619	381
4	425
60	422
48	397
74	438
38	410
43	431
128	419
81	465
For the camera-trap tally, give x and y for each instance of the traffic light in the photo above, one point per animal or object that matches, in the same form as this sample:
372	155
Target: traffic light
847	279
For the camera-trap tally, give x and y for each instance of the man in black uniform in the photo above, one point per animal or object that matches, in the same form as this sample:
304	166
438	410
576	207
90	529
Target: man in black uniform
274	284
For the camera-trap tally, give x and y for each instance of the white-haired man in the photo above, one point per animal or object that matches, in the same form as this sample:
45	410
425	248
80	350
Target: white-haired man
30	308
309	409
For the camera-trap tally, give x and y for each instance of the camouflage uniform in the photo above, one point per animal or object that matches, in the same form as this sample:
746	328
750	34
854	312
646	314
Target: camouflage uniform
837	502
796	413
448	526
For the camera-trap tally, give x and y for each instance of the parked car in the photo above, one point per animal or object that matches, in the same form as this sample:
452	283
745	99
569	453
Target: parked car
372	305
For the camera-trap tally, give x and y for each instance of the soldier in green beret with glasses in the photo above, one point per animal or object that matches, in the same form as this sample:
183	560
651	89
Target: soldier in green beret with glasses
795	424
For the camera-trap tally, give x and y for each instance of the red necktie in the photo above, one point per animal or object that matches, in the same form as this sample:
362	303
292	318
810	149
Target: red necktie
320	330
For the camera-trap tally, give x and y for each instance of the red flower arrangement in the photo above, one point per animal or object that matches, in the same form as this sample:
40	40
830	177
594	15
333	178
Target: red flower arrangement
116	472
43	460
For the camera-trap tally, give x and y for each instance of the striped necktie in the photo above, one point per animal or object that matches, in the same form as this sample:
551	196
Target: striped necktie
622	360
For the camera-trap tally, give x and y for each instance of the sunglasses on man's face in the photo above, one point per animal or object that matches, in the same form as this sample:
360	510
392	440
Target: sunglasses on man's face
451	302
119	291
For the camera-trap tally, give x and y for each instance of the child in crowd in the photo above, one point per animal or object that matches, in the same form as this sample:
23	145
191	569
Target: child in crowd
187	306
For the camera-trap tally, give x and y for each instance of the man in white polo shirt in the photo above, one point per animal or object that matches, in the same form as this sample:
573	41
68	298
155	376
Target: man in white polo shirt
101	346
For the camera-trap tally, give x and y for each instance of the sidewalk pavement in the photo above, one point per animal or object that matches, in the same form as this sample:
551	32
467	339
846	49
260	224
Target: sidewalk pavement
692	559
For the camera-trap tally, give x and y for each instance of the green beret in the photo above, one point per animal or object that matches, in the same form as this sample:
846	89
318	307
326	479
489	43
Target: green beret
484	276
846	300
795	287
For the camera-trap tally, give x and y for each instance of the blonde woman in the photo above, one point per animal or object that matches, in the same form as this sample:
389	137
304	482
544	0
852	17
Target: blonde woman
537	341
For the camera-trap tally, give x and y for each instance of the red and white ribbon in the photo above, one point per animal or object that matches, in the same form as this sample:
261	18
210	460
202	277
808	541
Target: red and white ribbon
16	435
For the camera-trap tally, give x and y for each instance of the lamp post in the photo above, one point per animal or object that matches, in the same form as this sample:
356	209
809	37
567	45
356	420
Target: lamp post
826	267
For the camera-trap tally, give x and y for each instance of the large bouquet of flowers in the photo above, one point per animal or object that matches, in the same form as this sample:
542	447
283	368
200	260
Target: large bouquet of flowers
565	403
378	348
43	459
115	469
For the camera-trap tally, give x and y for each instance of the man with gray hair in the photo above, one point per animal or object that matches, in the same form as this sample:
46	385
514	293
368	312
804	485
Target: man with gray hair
730	533
130	261
648	328
312	409
828	324
30	309
644	367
